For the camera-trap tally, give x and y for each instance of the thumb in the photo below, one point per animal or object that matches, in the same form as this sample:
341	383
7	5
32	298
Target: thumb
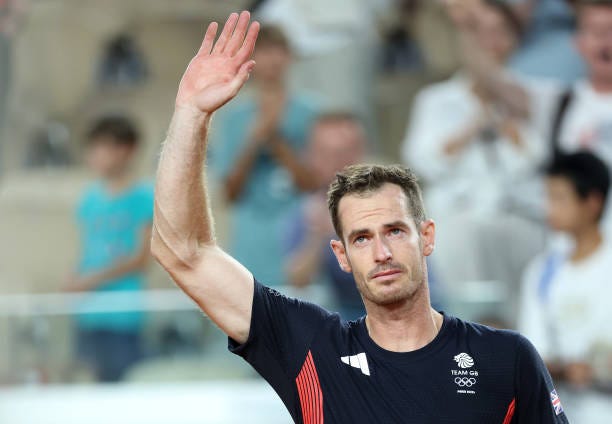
242	76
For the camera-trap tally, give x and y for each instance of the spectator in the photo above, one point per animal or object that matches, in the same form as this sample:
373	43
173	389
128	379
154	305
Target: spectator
337	140
257	158
565	308
582	116
476	157
549	29
115	217
333	40
579	117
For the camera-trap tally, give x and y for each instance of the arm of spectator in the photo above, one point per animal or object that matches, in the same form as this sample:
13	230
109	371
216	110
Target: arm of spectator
135	263
431	147
503	89
309	231
183	239
300	173
457	143
304	264
236	180
489	75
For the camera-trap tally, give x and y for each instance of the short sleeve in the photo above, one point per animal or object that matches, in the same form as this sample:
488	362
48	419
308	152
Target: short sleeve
537	400
281	333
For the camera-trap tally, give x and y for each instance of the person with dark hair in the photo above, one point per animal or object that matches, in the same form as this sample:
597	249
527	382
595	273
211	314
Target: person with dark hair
565	308
403	362
114	218
258	157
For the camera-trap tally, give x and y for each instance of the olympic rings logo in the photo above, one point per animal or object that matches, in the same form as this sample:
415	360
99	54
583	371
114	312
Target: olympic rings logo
465	381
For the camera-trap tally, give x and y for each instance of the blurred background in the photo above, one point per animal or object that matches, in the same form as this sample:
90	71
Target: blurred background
503	109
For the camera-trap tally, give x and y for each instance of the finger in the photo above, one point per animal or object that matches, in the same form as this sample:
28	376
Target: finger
209	38
238	36
249	43
242	76
228	29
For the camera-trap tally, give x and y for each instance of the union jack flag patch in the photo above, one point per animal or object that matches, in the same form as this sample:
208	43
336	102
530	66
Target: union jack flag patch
556	402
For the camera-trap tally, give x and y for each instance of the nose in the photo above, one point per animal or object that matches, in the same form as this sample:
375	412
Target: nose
382	253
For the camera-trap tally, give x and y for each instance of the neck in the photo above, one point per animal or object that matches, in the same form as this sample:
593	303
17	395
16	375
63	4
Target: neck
587	241
118	182
405	327
601	85
276	85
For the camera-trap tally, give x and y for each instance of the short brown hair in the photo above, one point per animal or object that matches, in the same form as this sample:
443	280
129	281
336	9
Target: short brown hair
118	130
273	36
365	179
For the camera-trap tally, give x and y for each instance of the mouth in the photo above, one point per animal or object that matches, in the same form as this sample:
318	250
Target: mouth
386	275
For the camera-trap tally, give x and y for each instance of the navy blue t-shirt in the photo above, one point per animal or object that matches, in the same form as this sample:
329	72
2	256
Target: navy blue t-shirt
328	370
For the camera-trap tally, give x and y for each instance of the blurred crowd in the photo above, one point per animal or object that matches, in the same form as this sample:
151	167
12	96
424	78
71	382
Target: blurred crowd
513	150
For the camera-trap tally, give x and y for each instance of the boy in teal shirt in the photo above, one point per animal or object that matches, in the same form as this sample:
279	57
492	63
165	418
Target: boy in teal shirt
114	217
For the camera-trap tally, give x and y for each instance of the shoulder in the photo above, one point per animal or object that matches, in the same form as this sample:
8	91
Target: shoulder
482	338
91	193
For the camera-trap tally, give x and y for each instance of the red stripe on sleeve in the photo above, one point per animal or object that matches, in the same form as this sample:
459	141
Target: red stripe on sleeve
510	412
310	393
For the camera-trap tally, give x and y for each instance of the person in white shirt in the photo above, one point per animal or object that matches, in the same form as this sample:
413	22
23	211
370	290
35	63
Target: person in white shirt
581	117
475	157
565	298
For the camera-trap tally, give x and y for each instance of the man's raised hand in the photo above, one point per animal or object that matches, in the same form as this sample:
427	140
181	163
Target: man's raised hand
219	69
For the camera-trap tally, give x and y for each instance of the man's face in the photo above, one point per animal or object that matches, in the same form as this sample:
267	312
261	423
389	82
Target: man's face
107	159
594	39
272	63
494	33
335	145
382	247
566	211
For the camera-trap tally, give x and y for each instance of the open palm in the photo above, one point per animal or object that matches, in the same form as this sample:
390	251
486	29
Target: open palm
219	69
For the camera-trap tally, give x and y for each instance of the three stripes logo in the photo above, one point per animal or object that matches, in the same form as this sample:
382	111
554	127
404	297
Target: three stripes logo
357	361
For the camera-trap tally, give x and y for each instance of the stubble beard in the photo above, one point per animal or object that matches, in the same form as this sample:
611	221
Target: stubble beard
413	278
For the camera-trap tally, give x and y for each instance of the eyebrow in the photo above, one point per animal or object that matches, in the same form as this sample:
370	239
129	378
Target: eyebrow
362	231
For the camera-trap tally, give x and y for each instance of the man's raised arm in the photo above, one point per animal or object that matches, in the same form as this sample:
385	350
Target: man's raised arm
183	239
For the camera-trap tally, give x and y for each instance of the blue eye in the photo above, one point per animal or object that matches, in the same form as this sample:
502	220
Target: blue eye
396	231
360	239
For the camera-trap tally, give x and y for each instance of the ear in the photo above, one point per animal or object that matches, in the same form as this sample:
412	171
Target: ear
595	204
427	231
340	253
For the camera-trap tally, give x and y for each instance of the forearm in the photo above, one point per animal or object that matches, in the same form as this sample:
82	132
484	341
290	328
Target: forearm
301	175
129	266
491	77
304	264
182	220
458	142
235	182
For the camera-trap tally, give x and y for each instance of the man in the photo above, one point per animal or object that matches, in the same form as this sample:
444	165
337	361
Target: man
257	156
565	299
403	362
115	216
337	140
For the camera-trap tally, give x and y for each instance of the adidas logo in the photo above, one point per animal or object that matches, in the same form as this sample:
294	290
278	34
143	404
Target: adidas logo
357	361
